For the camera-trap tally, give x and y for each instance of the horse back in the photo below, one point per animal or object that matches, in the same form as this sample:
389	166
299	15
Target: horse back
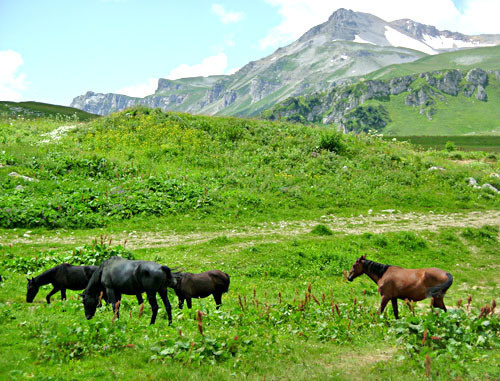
413	284
204	284
134	276
73	277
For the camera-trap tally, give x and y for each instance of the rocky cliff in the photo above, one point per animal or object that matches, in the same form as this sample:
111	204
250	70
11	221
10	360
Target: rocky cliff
422	92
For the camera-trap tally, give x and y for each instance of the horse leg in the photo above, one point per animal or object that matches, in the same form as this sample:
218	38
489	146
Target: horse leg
54	290
113	298
395	307
166	302
218	300
140	299
188	302
383	303
63	294
154	305
181	302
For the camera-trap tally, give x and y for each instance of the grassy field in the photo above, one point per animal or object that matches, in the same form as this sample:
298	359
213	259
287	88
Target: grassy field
462	143
285	210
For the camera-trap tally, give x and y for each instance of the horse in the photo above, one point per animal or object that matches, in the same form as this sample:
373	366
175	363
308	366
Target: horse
398	283
117	276
62	277
201	285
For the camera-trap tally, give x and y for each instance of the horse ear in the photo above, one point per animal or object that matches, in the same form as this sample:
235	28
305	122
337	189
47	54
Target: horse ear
363	257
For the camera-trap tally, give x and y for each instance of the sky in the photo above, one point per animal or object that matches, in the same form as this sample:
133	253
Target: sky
54	50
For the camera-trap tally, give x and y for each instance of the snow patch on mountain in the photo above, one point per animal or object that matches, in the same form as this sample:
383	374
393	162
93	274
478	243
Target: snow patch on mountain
359	40
399	39
442	42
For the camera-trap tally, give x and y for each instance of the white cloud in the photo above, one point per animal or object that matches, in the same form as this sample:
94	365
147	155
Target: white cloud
11	82
298	16
140	90
213	65
225	16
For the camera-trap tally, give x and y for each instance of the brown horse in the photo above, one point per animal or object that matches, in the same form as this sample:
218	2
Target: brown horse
398	283
188	285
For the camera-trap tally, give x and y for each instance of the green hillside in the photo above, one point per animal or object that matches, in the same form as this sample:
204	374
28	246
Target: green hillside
146	163
438	103
41	110
484	58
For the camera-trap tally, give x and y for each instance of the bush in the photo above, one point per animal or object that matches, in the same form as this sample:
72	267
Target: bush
450	146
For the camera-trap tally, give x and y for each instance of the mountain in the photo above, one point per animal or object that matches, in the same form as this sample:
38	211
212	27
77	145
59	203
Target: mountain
421	101
349	44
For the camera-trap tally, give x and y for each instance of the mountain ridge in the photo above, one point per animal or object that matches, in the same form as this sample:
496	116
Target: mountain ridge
348	45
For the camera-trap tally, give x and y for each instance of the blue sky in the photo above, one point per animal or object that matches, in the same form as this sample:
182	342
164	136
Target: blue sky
54	50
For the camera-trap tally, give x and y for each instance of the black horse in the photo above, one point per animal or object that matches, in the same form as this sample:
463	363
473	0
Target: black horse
201	285
64	277
117	276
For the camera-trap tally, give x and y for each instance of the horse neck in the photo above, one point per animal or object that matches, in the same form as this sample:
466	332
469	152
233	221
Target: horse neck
374	270
45	278
94	284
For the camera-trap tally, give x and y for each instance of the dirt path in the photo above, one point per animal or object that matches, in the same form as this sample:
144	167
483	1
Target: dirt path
378	223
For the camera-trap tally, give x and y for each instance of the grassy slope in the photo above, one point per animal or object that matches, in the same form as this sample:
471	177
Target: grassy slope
457	115
254	171
37	109
485	58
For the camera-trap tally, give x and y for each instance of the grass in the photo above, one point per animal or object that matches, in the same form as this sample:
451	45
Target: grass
201	193
463	143
32	110
305	339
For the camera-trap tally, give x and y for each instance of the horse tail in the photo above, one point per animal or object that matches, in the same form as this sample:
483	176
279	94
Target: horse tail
440	289
167	271
224	280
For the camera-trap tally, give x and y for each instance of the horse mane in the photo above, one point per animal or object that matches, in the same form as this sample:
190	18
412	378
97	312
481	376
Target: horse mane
94	284
376	268
41	280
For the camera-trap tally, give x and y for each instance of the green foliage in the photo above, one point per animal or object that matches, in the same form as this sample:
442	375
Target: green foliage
93	254
321	230
448	338
332	141
367	118
450	146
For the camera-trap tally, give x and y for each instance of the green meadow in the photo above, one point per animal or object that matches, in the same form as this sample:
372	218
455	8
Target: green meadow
284	209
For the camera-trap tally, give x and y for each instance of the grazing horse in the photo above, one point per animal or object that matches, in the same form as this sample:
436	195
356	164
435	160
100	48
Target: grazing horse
201	285
398	283
62	277
117	276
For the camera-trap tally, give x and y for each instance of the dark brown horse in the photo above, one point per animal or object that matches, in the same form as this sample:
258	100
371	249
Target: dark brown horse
398	283
201	285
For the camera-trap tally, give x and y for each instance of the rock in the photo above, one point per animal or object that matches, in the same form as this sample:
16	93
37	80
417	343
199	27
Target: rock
477	77
490	187
434	168
472	181
400	84
25	178
481	94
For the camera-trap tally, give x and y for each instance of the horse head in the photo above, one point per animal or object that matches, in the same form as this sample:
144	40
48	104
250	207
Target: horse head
32	290
90	302
357	268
